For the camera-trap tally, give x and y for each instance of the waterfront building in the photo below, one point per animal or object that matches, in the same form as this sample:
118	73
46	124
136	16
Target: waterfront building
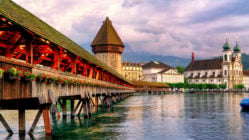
108	47
155	71
227	70
246	78
132	71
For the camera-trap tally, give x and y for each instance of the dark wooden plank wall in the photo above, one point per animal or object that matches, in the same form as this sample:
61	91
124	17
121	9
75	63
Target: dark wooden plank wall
14	89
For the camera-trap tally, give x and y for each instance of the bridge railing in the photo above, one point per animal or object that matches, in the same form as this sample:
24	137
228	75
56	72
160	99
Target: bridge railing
81	86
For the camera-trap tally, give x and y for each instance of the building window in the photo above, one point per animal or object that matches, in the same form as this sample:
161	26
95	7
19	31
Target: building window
225	57
225	72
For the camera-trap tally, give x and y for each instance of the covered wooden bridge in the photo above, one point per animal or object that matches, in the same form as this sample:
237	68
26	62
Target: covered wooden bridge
40	67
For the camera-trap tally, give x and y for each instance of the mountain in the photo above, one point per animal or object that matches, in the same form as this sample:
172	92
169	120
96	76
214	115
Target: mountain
245	61
170	60
144	57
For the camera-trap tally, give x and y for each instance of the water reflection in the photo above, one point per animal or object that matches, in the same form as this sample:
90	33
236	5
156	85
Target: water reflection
171	116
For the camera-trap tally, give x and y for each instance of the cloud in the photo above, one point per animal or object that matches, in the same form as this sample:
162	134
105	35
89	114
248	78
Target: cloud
165	27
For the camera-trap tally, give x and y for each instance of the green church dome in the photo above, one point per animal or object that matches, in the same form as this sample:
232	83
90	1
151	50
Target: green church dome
236	48
226	46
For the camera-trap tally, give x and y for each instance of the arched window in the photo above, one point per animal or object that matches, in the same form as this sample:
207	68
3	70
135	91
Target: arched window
225	57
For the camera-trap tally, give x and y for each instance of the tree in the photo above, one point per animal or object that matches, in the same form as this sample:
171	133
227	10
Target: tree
180	69
240	86
222	86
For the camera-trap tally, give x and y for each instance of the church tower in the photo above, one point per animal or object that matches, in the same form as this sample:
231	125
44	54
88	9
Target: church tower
108	47
237	77
227	64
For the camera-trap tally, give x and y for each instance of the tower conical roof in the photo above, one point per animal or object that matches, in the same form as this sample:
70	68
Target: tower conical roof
226	46
236	48
107	35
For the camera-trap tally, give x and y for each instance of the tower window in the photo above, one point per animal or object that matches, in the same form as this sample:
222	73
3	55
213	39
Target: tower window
225	72
225	57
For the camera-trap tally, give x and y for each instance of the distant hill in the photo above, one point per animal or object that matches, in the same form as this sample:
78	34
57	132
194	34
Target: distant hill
245	61
170	60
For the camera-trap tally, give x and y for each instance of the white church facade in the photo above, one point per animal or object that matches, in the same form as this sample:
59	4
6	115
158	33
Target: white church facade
227	70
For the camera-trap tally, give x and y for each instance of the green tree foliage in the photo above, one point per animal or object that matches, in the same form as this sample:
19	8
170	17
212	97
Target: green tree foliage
195	86
222	86
240	86
180	69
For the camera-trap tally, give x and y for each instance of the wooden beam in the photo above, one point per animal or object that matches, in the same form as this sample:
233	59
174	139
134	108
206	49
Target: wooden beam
5	124
46	120
21	120
81	107
73	66
77	106
64	108
97	75
96	102
28	50
56	60
72	107
6	28
91	72
37	117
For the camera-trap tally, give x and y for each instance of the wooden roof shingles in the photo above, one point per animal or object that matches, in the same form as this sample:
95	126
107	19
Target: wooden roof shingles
27	20
107	35
205	64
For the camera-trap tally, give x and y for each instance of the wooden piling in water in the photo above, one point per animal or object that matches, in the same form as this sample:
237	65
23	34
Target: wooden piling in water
46	120
72	108
21	121
96	102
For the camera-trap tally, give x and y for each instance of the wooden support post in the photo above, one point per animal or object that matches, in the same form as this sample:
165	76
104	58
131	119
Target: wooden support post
91	72
72	108
73	64
5	124
96	102
109	101
88	108
46	120
85	109
103	102
77	106
21	120
37	117
81	107
64	108
56	63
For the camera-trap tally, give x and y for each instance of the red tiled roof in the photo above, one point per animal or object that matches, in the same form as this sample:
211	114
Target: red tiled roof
205	64
246	72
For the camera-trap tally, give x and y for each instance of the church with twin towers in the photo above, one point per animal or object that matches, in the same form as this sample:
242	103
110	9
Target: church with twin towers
226	70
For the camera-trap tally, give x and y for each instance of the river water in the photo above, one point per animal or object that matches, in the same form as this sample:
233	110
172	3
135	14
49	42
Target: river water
153	117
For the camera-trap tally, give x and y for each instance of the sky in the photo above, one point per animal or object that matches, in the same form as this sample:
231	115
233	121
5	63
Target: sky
160	27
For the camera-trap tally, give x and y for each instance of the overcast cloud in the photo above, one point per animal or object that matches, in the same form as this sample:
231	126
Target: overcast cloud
165	27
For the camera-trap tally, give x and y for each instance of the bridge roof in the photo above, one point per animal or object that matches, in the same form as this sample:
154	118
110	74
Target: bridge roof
27	20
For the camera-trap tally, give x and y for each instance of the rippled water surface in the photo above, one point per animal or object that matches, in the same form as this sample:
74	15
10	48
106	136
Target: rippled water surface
170	116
